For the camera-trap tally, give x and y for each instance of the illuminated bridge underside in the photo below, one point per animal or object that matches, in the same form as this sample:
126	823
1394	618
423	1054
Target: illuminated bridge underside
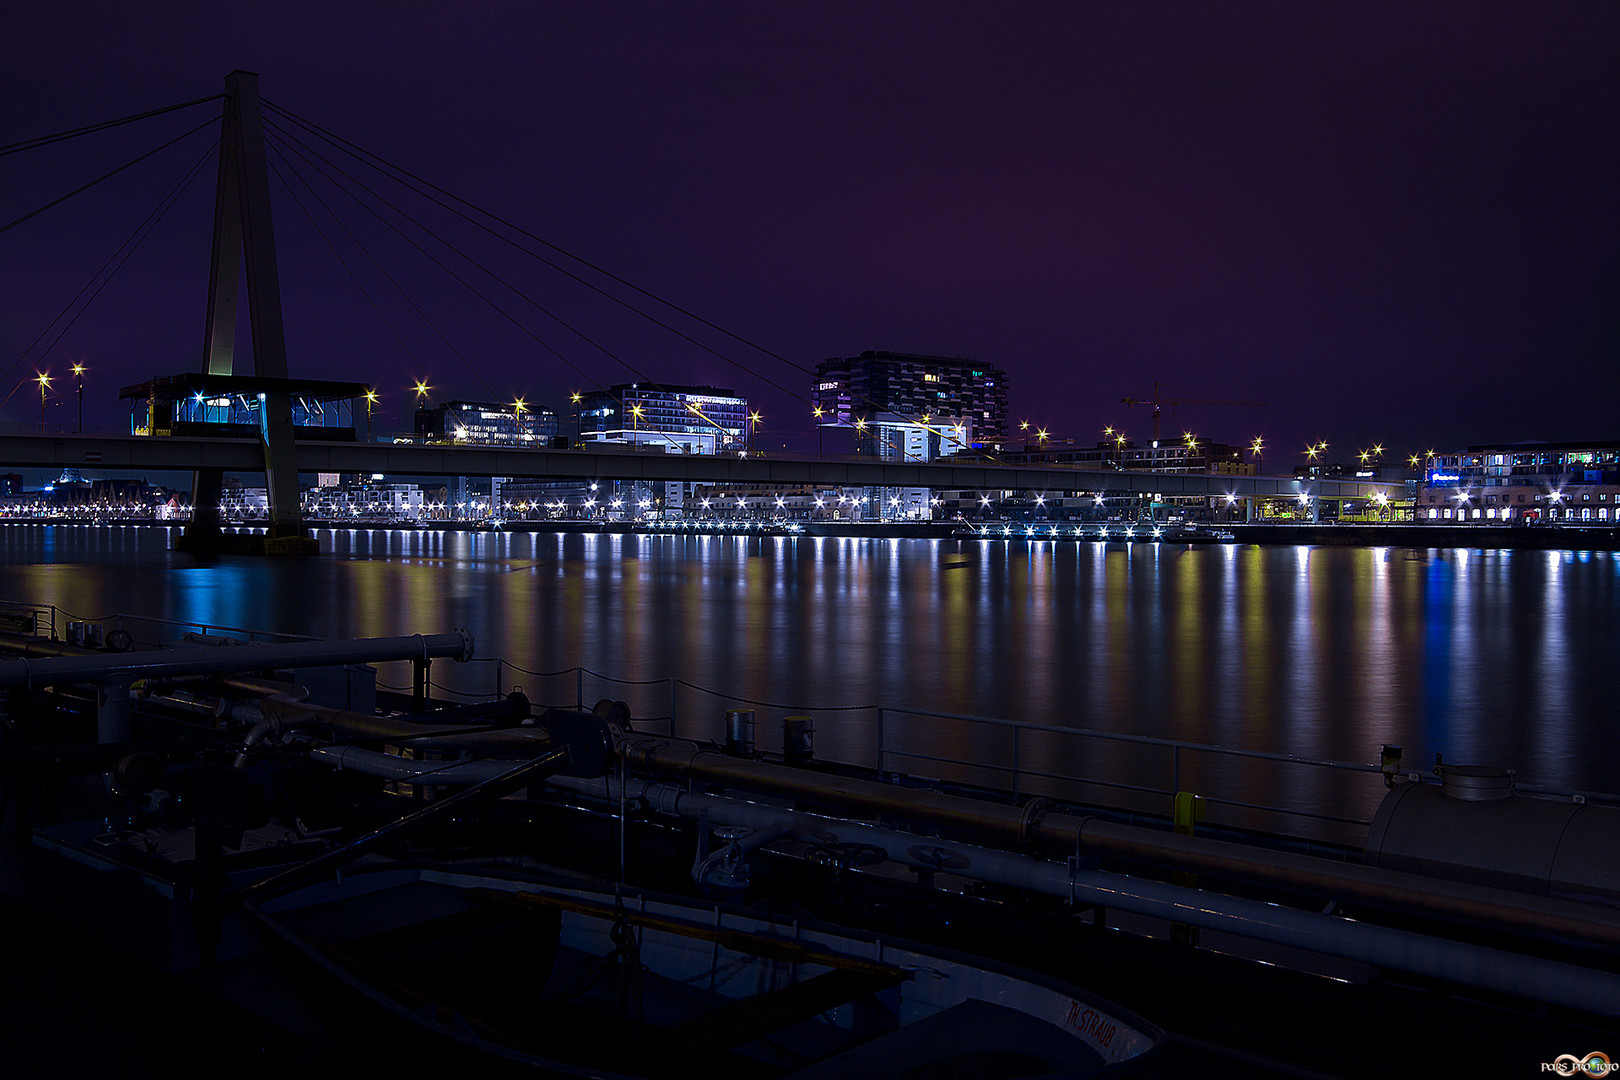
140	453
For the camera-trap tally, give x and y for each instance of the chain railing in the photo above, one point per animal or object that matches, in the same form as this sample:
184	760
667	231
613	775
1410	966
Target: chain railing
1020	759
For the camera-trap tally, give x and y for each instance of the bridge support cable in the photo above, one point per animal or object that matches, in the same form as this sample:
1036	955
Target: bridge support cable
105	125
120	256
285	141
411	180
280	154
293	194
306	152
362	156
381	269
81	189
381	163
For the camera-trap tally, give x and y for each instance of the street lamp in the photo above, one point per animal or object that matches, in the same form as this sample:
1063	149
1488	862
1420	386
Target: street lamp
579	436
371	399
44	381
753	424
819	427
78	373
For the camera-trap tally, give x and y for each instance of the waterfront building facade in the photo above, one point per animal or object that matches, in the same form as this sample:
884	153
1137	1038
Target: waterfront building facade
1565	482
951	392
667	417
911	407
338	499
487	423
1120	454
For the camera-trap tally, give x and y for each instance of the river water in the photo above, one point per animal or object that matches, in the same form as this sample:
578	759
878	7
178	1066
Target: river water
1497	657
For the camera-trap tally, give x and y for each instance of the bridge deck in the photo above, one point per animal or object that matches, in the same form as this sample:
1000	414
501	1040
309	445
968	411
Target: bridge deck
135	453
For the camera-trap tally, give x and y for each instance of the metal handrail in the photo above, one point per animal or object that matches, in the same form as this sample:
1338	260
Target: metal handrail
885	750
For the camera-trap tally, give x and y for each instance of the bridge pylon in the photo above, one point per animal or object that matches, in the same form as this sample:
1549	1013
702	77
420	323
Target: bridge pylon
244	247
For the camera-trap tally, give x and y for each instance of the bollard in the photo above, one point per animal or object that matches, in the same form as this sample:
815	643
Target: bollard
798	740
740	732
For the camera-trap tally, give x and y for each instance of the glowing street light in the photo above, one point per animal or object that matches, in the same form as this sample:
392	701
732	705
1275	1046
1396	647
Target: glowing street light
44	380
818	412
371	399
78	374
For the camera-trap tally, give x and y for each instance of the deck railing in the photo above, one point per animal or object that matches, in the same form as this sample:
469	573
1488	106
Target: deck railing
1019	759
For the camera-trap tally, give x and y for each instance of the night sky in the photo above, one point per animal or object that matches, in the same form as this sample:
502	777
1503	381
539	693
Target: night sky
1389	222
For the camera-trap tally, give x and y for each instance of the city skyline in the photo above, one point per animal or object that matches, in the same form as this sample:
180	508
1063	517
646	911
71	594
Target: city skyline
1389	227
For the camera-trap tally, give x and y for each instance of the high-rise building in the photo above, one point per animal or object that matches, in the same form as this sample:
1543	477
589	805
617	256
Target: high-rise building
949	391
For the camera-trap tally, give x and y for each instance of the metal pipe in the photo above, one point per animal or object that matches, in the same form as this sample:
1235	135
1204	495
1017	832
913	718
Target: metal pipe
1458	962
247	684
392	767
1066	834
255	656
285	715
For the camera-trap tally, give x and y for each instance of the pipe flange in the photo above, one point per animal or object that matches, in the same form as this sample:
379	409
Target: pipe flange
1026	820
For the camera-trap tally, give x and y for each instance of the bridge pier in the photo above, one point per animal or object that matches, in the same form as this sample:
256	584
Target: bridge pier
280	466
203	535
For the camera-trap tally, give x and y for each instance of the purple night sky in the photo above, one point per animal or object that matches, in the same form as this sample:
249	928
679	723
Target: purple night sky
1388	222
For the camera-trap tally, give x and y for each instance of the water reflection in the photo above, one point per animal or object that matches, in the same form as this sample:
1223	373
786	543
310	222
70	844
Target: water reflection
1328	652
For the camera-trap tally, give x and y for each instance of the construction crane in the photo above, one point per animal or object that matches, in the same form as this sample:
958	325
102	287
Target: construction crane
1158	406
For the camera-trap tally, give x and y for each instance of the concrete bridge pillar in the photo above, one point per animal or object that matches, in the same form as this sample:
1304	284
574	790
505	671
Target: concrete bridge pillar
207	488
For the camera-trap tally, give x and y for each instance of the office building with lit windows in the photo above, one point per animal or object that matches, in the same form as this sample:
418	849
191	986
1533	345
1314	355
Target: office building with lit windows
1565	482
678	419
950	391
485	422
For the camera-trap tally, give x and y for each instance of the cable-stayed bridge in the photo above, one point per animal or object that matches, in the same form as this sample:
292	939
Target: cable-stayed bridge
254	145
